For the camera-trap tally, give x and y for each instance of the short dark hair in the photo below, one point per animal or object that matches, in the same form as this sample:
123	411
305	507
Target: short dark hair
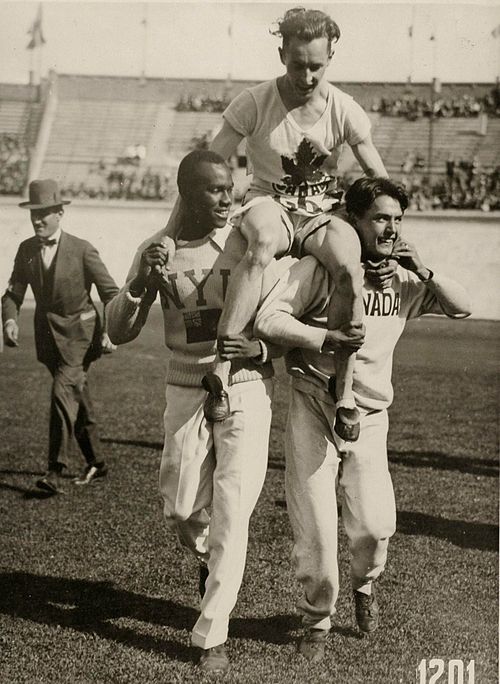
307	24
186	172
363	193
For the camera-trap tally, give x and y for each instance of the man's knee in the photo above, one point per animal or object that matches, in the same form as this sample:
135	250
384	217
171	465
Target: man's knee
261	250
69	379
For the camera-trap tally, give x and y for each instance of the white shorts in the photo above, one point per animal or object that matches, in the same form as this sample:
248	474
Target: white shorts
299	227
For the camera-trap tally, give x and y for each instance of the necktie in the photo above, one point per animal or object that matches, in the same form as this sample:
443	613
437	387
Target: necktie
46	252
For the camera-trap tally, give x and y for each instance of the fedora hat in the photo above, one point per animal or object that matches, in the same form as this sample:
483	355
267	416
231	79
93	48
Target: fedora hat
43	194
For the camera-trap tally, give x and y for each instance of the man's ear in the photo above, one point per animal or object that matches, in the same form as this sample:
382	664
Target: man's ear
330	56
281	54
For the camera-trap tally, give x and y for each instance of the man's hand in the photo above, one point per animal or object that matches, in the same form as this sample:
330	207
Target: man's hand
106	345
153	259
238	347
349	336
11	334
408	257
381	275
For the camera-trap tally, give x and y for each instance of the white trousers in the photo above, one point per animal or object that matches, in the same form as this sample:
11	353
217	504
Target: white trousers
221	466
313	456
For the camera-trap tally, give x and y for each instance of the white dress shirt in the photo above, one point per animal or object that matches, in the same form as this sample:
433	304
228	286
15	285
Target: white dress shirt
48	252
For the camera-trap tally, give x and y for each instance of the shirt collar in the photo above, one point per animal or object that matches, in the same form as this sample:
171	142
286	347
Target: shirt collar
56	236
220	235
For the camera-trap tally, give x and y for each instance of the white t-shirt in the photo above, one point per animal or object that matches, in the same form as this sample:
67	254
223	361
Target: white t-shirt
294	165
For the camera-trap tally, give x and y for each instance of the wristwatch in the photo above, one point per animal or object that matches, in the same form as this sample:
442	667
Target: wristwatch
429	277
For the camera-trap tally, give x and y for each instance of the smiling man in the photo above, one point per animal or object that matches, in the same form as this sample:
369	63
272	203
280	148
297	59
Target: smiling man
61	270
295	315
294	127
211	475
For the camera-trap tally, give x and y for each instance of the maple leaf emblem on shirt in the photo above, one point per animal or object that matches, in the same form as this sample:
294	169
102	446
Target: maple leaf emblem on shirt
305	168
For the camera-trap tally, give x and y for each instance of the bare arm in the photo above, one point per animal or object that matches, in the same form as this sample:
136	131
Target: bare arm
226	141
369	159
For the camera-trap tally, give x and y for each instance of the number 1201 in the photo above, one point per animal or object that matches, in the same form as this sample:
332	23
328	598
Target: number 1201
458	673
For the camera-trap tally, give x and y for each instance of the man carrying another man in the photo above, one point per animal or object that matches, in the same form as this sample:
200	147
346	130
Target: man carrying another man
295	314
204	466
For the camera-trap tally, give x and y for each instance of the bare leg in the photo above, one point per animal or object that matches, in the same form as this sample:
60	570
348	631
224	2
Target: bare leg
338	248
266	237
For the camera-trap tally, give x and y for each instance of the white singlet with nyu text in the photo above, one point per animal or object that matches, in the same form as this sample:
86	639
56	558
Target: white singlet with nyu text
294	165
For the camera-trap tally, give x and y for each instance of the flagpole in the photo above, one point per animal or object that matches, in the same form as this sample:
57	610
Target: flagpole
32	67
144	23
411	33
229	81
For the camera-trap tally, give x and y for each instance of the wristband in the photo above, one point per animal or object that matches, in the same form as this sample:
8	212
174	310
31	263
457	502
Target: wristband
429	277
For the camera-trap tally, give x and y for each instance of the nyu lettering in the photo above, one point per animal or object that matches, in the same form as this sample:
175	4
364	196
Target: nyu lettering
173	290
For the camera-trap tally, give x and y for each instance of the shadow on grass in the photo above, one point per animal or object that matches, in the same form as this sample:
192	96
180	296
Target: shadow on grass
94	607
428	459
143	444
468	535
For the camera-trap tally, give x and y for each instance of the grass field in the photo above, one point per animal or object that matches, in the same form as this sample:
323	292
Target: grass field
93	588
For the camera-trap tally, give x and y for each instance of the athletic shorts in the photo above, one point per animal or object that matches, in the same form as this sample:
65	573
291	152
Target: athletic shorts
299	227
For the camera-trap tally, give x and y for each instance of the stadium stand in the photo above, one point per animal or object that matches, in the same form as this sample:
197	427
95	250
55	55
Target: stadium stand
77	129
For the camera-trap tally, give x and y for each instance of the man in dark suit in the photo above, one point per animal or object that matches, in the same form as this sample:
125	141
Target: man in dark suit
61	270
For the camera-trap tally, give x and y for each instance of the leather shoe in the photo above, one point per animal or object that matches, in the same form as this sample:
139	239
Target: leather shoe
346	419
51	482
367	611
312	644
90	473
214	659
216	406
347	424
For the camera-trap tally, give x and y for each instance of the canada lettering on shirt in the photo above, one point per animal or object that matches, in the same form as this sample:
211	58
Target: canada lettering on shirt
385	303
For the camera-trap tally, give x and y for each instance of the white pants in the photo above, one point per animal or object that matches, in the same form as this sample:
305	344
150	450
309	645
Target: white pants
221	466
368	511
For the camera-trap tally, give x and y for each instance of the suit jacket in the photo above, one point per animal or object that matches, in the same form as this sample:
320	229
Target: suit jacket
67	323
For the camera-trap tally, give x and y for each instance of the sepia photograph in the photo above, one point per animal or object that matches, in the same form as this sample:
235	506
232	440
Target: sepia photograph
249	360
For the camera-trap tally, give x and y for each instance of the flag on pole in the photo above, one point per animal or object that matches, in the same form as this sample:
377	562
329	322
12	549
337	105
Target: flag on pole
35	31
496	31
410	31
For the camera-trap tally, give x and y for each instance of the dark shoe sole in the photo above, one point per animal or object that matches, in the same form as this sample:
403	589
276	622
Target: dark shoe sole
47	487
349	433
216	406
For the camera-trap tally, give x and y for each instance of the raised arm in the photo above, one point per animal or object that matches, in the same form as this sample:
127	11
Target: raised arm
441	295
226	141
369	159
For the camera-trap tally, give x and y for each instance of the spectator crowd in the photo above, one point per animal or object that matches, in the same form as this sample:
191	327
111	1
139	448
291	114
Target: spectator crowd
122	180
202	103
413	107
14	161
466	185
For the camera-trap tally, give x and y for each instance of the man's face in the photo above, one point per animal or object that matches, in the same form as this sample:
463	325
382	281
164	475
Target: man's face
379	227
212	194
46	221
306	63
